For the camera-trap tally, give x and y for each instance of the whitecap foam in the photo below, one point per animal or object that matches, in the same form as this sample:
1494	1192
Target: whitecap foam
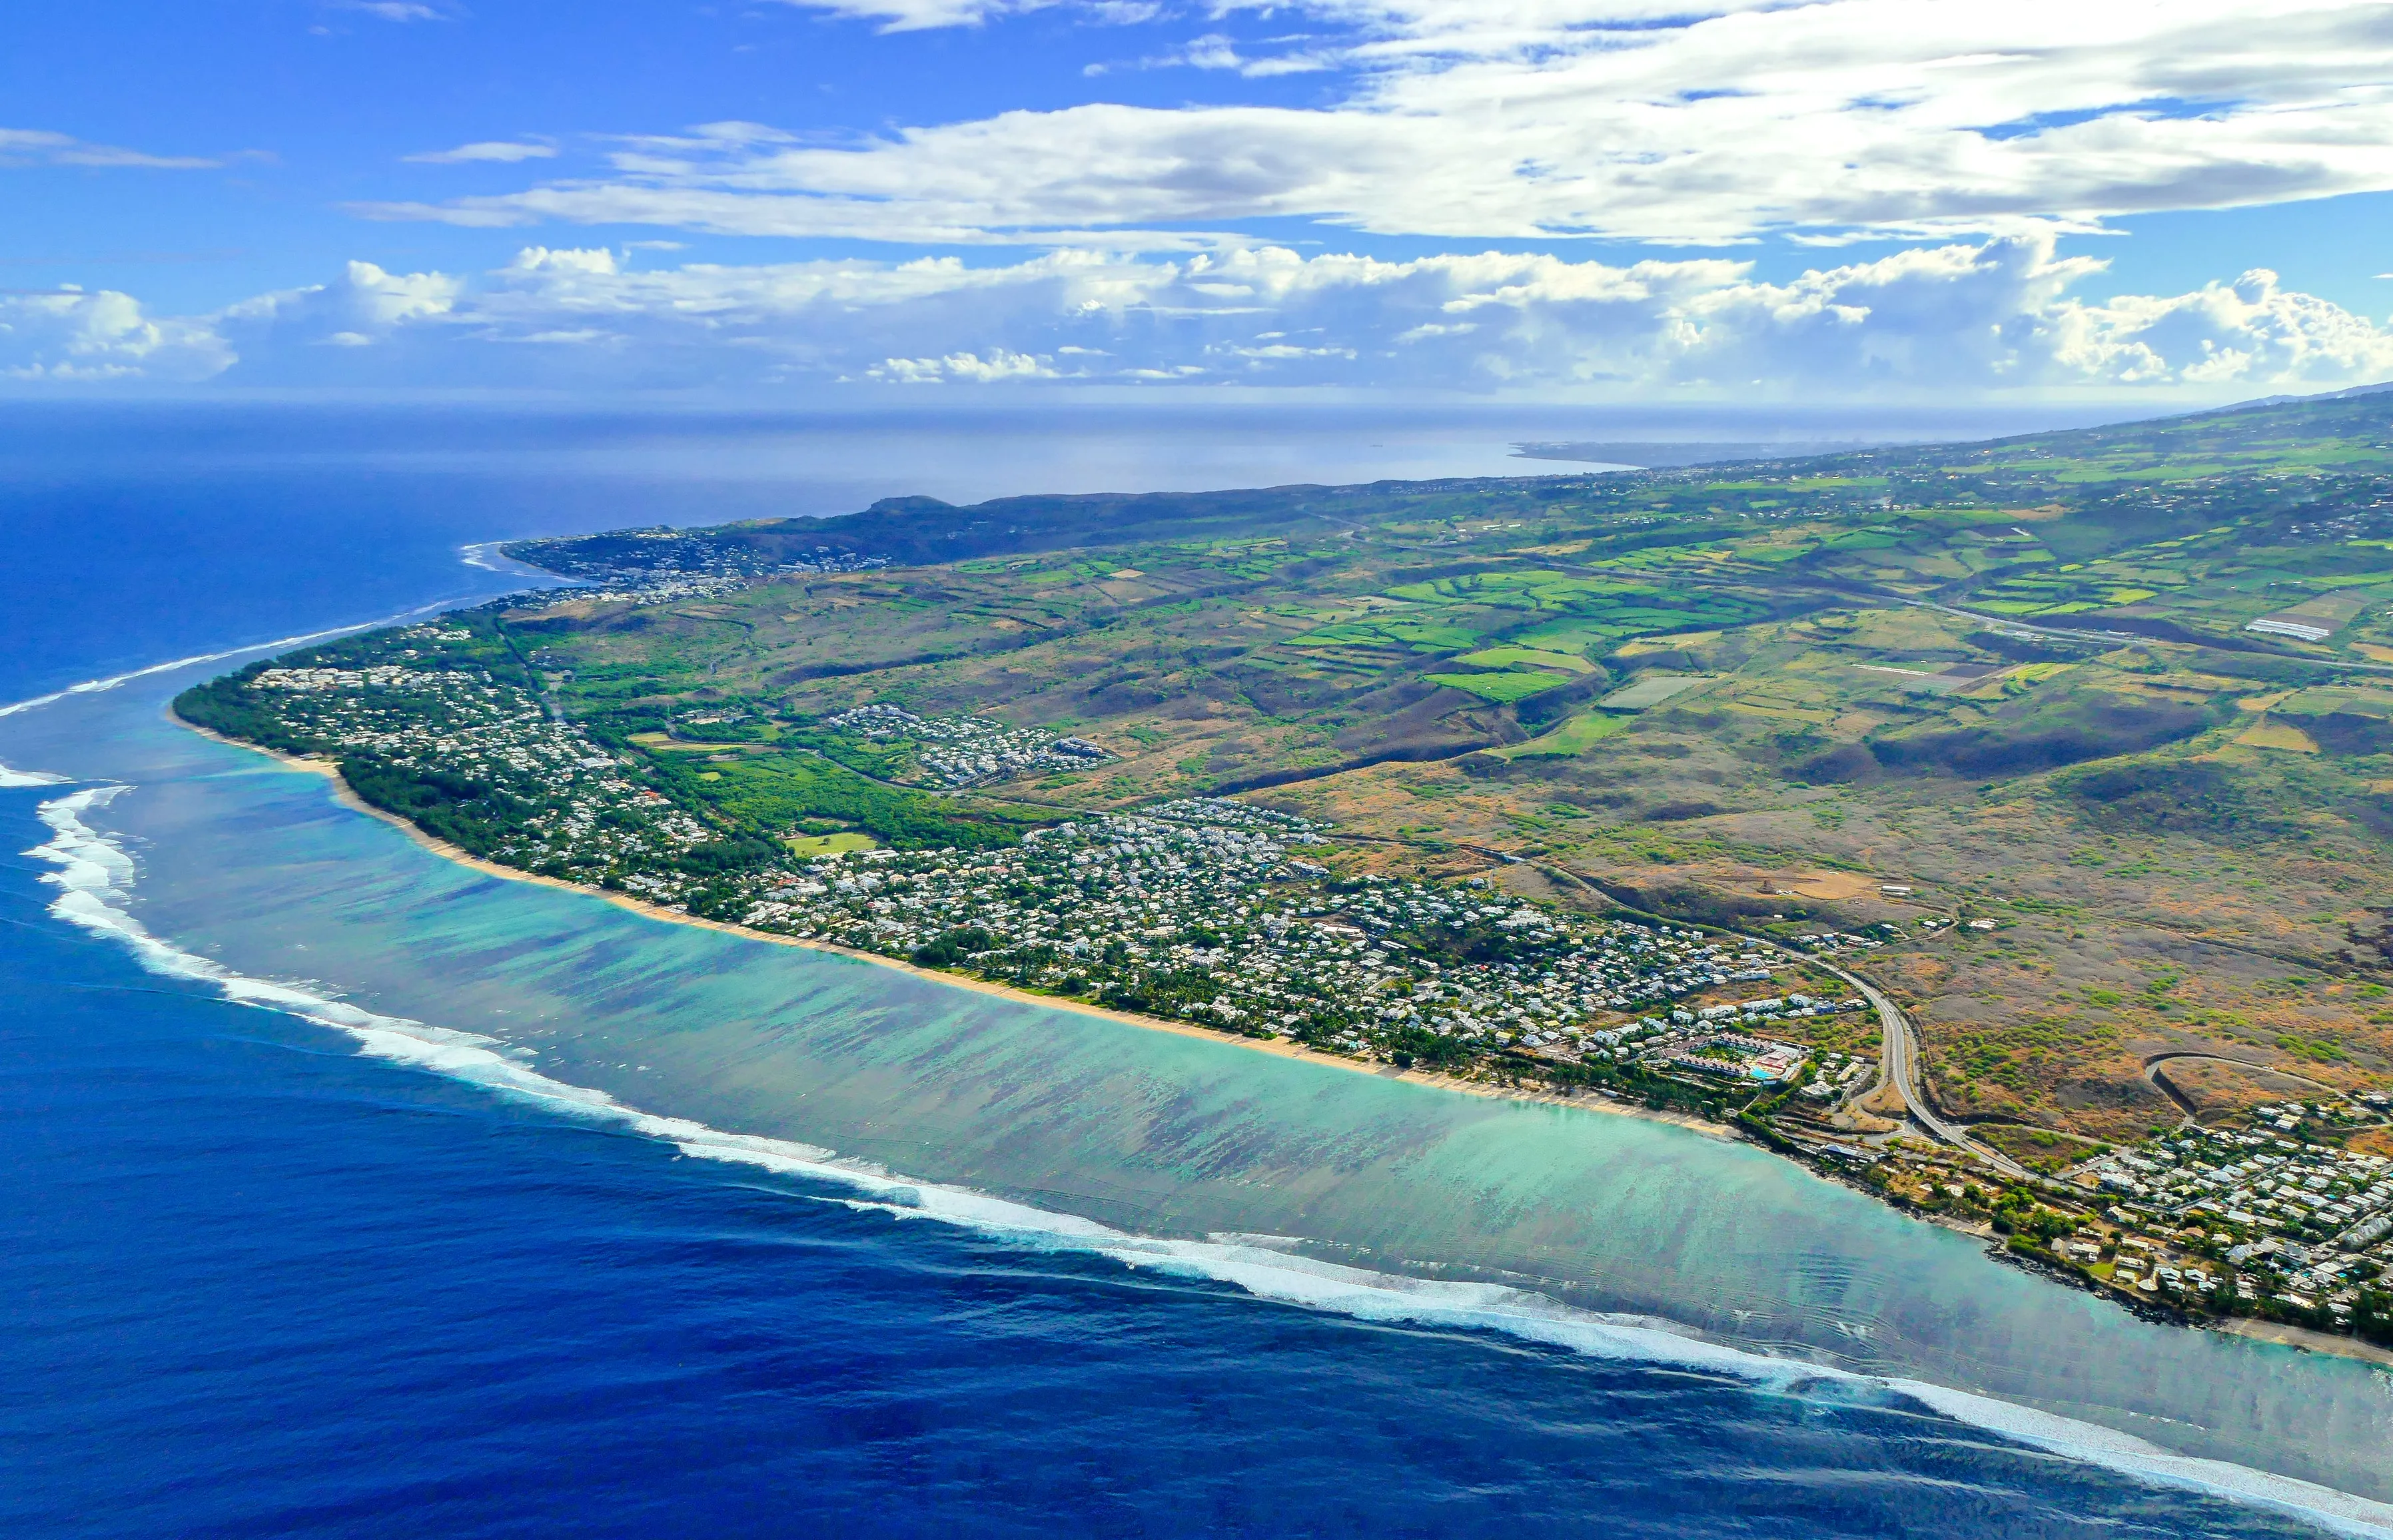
12	777
2340	1511
92	686
95	874
487	555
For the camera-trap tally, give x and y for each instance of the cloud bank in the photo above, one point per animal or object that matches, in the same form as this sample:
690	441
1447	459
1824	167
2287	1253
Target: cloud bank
1964	317
1628	119
76	338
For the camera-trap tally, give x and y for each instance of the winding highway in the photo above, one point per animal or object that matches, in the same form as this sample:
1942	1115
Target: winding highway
1897	1060
2155	1063
1899	1066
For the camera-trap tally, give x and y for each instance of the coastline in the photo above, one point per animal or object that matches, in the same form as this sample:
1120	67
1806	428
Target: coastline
1283	1048
2303	1339
1978	1230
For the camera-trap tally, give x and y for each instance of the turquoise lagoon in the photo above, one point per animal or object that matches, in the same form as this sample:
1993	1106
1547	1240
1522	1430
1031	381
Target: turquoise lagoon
1300	1181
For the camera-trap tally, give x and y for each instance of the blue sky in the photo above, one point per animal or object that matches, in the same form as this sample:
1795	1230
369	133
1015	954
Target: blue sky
810	200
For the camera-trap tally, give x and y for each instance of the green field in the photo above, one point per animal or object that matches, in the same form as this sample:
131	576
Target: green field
1651	691
1503	686
830	844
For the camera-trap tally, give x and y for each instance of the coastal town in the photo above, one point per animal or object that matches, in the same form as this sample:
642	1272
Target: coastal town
1200	909
1236	916
2277	1211
578	813
2273	1225
1211	910
656	566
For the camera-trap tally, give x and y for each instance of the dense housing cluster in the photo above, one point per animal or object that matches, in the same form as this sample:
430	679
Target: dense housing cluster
677	568
2256	1180
1200	908
969	751
641	589
2276	1214
521	785
647	556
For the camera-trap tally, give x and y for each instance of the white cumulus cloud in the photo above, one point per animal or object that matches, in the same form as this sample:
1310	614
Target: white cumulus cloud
1000	364
1962	319
363	306
2251	329
75	337
485	151
1700	122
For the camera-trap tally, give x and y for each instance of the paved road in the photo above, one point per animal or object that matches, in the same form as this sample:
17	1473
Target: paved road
2069	633
2153	1063
1898	1067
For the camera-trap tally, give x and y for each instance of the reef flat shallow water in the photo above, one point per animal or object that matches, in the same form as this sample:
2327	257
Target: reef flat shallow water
428	1225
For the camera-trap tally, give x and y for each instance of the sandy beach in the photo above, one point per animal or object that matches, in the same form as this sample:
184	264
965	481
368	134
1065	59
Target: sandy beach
1279	1046
2309	1342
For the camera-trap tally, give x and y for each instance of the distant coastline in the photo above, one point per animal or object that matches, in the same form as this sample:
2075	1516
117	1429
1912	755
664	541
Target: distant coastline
1511	626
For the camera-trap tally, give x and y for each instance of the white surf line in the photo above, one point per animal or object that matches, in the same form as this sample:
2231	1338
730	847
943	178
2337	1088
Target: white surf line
486	554
469	554
10	777
93	686
95	874
2339	1511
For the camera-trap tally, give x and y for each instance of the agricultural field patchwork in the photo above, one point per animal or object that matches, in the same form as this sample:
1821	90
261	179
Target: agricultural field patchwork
2087	736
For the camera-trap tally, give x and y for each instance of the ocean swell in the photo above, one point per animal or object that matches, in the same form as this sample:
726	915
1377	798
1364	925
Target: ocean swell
94	874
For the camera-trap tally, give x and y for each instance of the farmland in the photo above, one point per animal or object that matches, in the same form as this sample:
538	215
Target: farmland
2016	679
2081	745
2087	738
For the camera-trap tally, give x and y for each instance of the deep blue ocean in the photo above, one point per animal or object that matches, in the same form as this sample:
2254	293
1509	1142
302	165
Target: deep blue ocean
258	1282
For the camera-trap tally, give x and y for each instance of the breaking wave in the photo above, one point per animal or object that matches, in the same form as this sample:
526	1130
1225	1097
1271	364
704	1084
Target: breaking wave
94	875
11	778
93	686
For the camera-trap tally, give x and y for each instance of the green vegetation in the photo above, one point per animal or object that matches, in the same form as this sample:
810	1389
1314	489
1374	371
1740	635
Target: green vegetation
830	845
785	790
2008	690
1574	737
1989	723
1503	686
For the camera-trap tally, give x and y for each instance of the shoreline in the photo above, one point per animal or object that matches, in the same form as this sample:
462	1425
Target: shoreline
1280	1047
2248	1327
2301	1338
